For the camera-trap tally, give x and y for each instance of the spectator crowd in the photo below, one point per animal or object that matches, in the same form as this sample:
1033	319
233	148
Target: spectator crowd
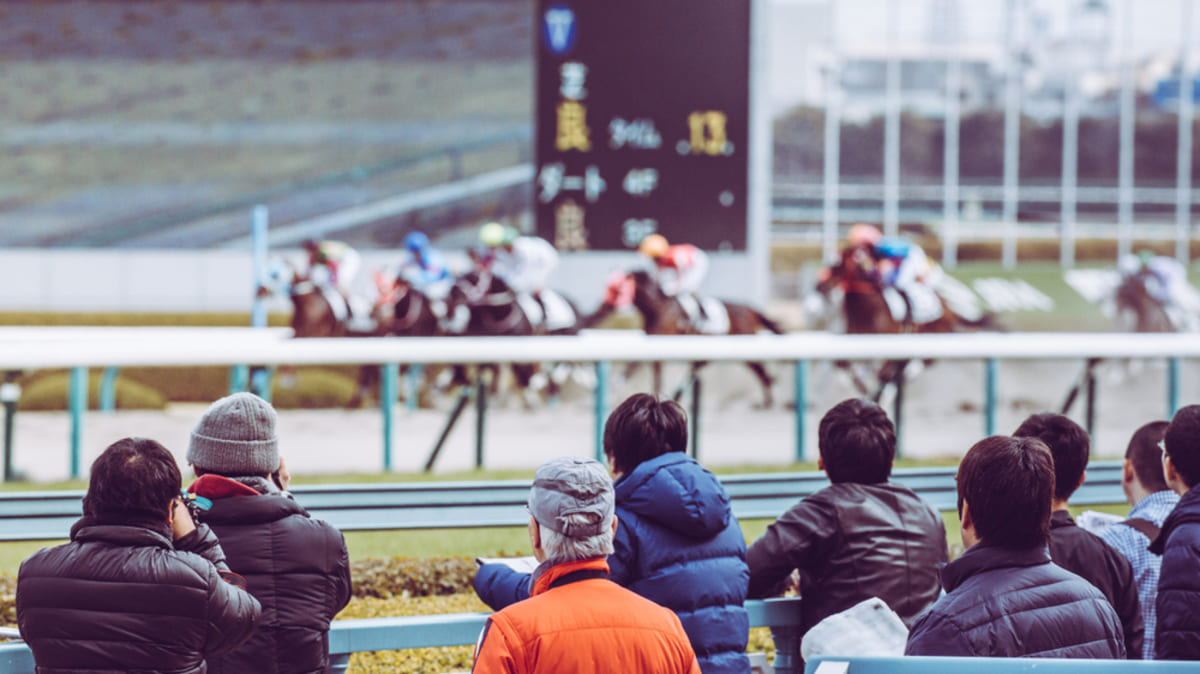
641	564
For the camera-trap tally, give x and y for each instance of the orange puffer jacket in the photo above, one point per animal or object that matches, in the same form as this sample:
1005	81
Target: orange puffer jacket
576	620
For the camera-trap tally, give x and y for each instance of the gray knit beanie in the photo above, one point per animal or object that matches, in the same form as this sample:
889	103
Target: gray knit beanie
236	436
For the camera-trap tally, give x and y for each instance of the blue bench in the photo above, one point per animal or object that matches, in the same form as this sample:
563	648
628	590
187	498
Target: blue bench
932	665
48	515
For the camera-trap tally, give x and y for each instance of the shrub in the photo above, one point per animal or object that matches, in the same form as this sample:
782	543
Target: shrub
412	577
48	391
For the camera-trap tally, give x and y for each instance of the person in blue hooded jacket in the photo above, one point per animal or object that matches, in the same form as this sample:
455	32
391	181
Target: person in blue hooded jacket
677	543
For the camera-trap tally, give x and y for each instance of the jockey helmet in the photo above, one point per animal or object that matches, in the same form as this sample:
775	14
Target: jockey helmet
863	235
654	246
416	241
893	246
495	234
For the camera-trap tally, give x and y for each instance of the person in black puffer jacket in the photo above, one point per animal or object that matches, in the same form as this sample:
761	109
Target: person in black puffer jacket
677	543
1177	635
297	566
863	536
140	586
1004	597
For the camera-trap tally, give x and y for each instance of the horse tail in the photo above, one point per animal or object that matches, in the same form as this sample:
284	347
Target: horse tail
768	323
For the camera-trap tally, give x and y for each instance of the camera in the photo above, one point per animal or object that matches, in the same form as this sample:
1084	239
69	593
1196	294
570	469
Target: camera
195	504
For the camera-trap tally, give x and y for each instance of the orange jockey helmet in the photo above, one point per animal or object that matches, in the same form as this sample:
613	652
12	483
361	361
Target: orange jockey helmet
863	235
654	246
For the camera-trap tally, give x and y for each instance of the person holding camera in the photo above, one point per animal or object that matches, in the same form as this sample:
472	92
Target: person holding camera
140	586
297	566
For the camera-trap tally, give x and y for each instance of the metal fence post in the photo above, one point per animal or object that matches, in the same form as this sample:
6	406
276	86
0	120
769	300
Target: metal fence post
989	397
10	394
600	402
801	393
389	376
108	389
78	400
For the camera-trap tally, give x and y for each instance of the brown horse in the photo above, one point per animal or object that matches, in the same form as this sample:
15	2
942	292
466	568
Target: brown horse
866	311
314	316
662	314
1137	310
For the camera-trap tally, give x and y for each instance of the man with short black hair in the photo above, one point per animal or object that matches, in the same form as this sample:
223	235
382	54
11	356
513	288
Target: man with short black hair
1072	547
1152	500
864	536
576	619
1177	633
140	586
1004	597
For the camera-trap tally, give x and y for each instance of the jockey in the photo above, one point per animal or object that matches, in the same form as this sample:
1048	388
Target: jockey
680	270
425	269
339	261
1165	281
523	262
332	267
905	267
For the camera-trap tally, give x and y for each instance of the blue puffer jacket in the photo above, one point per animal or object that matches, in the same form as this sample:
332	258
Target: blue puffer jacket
1177	634
1014	603
679	545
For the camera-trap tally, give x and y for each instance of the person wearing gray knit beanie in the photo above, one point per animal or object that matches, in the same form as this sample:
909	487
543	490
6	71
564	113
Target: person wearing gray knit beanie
236	436
297	566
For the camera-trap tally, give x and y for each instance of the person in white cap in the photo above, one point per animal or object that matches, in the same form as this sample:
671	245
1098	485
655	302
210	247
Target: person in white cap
576	619
296	566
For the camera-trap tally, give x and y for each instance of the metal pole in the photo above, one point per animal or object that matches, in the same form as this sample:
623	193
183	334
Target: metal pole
1125	159
78	398
259	221
388	383
480	411
108	389
1090	402
761	161
1070	152
1183	156
1012	138
1172	386
600	402
950	151
801	393
412	399
10	395
989	397
833	130
695	415
891	134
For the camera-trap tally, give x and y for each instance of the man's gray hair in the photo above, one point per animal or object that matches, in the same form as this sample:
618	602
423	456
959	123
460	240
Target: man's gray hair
560	548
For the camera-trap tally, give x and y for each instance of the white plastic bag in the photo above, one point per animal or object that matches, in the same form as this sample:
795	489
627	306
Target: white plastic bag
869	627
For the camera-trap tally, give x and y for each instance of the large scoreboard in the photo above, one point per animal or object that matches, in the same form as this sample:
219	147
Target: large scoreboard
642	122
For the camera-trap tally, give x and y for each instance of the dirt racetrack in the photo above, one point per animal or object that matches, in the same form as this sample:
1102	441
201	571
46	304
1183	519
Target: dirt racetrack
943	415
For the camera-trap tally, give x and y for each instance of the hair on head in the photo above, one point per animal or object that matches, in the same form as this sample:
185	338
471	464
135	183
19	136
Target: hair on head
132	478
1008	483
1182	440
641	428
857	442
1068	443
1145	456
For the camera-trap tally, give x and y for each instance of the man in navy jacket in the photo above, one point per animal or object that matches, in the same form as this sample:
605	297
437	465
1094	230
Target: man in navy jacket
1004	597
1177	634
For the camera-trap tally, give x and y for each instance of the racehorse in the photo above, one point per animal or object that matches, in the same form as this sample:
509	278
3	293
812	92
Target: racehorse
493	309
866	311
313	315
403	310
662	314
1137	310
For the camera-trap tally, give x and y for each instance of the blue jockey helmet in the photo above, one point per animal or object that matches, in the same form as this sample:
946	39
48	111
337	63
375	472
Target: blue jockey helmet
416	241
893	246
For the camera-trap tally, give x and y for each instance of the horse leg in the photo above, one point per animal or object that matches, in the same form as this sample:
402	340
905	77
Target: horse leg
761	372
368	378
657	369
523	374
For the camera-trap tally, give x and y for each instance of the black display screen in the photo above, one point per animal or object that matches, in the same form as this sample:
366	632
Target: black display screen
642	118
